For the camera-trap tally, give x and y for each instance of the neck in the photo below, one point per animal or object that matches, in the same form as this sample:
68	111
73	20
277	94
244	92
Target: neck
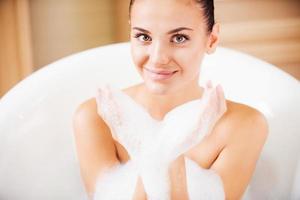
159	105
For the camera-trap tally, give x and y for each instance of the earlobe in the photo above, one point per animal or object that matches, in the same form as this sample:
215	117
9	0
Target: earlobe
210	50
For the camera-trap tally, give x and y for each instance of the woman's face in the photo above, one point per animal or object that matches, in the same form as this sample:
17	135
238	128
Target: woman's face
168	41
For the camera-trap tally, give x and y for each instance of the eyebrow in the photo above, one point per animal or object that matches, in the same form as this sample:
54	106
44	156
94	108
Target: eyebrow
179	29
170	32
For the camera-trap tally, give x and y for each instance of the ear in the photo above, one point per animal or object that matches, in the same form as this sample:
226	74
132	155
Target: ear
213	39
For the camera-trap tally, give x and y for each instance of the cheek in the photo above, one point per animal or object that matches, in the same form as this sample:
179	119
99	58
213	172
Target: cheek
190	59
138	55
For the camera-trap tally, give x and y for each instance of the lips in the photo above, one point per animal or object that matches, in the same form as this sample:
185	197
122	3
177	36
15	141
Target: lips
159	74
163	72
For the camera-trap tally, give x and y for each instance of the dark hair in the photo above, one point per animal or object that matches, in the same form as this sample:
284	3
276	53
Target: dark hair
206	5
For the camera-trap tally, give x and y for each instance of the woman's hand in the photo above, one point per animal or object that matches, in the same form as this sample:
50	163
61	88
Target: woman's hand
185	127
177	136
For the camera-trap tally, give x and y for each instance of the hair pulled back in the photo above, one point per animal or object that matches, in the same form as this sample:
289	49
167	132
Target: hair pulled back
208	11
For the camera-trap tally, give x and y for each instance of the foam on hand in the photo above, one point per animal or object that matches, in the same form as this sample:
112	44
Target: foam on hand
152	145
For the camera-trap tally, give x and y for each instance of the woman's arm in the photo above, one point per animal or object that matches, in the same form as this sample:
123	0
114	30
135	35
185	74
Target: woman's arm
97	153
178	179
236	162
95	146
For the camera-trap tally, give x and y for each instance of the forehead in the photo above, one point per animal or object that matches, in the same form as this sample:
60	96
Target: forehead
166	13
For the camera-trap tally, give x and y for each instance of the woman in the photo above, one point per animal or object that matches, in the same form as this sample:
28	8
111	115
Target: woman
168	41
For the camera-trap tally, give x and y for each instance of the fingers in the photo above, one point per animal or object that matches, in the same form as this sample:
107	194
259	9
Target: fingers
221	98
215	100
207	91
209	84
112	110
218	89
220	93
104	92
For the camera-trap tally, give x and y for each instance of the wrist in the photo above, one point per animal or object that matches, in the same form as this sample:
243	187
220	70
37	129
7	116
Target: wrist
139	193
178	179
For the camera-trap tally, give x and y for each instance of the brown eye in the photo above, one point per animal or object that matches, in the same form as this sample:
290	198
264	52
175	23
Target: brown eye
179	38
143	37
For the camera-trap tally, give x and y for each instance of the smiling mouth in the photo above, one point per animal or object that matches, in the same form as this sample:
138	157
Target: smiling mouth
159	75
161	72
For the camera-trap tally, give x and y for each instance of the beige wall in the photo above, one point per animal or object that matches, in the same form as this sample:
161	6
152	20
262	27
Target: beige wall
15	43
268	29
63	27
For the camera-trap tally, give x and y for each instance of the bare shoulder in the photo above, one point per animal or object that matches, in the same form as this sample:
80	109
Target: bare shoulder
245	130
242	121
86	115
88	107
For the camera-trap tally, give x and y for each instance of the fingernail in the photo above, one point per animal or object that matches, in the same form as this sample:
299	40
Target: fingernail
220	87
209	83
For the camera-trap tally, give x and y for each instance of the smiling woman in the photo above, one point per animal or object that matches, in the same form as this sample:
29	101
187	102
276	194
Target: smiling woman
177	43
138	142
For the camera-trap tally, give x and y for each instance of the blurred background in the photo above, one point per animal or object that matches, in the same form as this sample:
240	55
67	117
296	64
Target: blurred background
34	33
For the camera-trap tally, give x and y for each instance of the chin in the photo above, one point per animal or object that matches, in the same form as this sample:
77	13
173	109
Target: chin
158	88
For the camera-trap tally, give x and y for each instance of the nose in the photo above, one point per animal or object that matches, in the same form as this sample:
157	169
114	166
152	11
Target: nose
158	54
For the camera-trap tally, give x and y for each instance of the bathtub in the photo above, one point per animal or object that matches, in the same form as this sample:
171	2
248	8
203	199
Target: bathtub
37	147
